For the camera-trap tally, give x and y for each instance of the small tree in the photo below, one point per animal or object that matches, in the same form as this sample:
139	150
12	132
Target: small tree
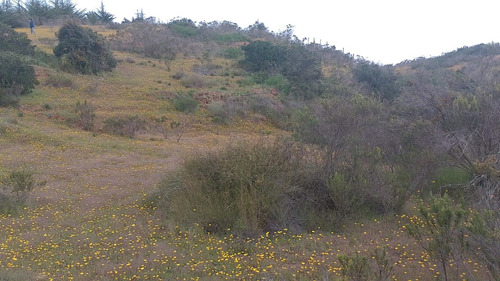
83	50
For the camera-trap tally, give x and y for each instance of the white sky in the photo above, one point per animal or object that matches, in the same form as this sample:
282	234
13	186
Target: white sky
383	31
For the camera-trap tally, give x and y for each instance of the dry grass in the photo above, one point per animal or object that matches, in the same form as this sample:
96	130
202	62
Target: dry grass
91	221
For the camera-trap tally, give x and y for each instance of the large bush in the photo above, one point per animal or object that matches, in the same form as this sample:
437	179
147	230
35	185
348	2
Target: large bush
380	80
12	41
378	159
16	78
300	66
248	188
83	50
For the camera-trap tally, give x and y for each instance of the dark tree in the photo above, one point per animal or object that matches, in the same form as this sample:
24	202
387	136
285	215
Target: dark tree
65	8
303	69
380	80
83	50
100	16
12	41
263	56
300	66
12	14
16	76
40	11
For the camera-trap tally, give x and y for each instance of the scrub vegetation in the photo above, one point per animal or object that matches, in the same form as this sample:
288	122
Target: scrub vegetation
207	151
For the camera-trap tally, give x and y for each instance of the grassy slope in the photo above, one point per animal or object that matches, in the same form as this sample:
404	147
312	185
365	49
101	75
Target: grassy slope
90	221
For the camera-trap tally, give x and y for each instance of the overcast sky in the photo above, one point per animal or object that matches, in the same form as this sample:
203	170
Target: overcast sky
383	31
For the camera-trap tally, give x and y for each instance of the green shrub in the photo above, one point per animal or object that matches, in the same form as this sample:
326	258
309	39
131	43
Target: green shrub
224	111
183	27
263	56
220	113
248	188
245	82
300	66
380	80
82	50
124	126
195	81
232	53
15	42
355	268
439	229
16	78
7	204
83	116
483	233
358	268
8	99
345	197
15	188
86	115
451	179
185	102
279	82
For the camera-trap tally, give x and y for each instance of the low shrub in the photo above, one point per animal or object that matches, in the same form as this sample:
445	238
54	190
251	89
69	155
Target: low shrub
194	81
185	102
233	53
344	196
361	268
248	188
8	99
439	230
60	80
274	110
223	112
279	82
220	113
124	126
15	189
355	267
82	116
86	115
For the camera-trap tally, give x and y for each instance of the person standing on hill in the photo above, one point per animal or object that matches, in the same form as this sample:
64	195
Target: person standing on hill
32	26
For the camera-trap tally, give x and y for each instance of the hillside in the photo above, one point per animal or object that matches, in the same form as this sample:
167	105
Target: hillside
394	134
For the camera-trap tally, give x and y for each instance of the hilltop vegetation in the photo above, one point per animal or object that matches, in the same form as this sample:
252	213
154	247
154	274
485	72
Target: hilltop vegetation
207	150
